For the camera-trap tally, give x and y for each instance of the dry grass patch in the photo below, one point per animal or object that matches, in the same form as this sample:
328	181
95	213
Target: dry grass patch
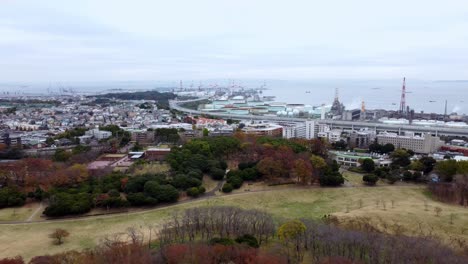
151	168
18	213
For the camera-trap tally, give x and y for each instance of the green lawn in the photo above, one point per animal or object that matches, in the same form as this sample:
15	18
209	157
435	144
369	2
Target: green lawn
409	210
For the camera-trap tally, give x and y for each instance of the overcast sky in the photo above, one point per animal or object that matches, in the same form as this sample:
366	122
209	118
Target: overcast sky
106	40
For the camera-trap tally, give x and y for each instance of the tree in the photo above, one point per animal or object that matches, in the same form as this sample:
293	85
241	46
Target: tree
272	168
291	234
217	174
417	176
227	188
235	181
387	148
167	193
137	147
206	132
303	171
370	179
193	192
401	157
61	155
368	165
393	176
417	165
408	176
429	163
59	235
446	169
331	178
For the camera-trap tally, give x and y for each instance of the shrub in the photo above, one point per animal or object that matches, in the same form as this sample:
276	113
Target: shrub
137	199
217	174
184	182
249	174
196	173
201	190
368	165
227	188
331	178
249	240
193	192
370	179
11	197
408	176
167	193
222	241
235	181
417	176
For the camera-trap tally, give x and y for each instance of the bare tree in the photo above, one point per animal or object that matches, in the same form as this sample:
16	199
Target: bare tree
59	235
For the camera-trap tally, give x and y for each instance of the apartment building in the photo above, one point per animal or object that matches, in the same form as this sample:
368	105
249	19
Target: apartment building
423	144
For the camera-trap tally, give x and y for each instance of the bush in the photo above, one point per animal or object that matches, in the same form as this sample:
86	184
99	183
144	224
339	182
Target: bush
417	176
11	197
249	240
223	165
249	174
393	177
370	179
235	181
65	204
193	192
114	193
368	165
222	241
138	199
167	193
408	176
246	165
184	182
217	174
196	173
227	188
201	190
331	178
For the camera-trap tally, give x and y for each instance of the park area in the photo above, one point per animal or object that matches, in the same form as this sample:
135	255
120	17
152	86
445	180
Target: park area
393	209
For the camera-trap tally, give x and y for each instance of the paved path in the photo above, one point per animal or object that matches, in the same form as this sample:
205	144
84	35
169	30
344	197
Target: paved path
31	217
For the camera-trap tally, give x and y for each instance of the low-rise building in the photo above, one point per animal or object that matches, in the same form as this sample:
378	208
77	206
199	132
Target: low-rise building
157	153
98	134
143	137
361	139
353	159
263	129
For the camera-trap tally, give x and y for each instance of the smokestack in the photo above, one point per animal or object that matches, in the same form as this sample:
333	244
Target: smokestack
323	112
445	112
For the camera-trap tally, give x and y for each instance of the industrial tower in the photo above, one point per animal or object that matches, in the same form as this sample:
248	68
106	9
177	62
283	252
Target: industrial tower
403	97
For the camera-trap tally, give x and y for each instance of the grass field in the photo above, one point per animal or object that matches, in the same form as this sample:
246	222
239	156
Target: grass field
18	213
154	167
409	211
